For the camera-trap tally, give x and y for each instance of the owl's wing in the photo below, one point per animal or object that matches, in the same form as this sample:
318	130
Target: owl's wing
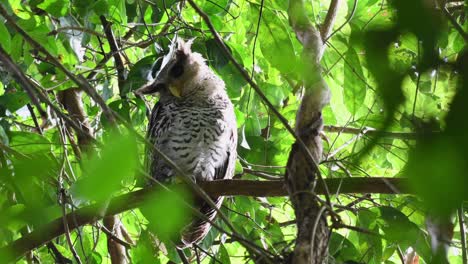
154	165
155	115
220	172
198	229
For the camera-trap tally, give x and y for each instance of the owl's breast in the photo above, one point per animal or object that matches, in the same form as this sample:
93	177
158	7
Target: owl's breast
195	139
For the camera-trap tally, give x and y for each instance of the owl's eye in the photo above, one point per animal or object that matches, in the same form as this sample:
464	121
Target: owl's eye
177	70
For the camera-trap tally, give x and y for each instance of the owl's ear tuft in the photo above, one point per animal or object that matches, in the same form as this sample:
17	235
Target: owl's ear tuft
184	49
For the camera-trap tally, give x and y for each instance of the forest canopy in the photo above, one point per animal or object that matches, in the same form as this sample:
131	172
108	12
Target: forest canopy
387	181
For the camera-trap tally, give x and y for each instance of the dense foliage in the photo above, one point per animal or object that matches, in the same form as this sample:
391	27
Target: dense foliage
391	66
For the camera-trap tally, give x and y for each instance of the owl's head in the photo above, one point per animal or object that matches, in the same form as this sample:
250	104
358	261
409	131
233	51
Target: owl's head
180	72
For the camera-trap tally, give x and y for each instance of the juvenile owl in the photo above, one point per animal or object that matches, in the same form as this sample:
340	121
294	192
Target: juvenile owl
194	124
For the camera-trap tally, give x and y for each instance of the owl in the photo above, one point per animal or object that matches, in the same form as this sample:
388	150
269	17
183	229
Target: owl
194	124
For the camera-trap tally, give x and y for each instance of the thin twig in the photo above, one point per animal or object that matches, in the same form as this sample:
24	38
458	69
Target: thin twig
34	118
119	64
461	222
371	132
66	229
182	256
357	229
113	236
58	257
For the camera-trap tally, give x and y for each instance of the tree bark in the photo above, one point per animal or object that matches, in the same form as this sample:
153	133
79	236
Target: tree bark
302	171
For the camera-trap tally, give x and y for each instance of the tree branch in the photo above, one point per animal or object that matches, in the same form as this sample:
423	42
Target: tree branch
372	132
302	177
118	60
461	223
327	25
122	203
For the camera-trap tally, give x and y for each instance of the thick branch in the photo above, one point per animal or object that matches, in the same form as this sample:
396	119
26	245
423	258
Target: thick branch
301	176
327	26
122	203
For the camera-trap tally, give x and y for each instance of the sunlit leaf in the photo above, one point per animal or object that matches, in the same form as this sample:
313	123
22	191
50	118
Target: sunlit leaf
276	44
6	38
57	8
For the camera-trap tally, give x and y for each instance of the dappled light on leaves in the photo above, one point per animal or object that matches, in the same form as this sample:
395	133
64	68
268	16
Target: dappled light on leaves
421	19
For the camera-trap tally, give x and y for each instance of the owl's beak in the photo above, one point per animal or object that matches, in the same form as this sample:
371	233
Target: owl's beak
175	90
149	88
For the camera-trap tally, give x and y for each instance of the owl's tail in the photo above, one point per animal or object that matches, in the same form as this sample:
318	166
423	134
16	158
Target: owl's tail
199	228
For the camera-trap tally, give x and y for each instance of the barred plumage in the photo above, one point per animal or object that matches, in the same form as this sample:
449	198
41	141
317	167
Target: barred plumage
194	125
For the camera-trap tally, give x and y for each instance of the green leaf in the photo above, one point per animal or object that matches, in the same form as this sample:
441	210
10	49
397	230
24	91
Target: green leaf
13	217
167	212
144	250
397	227
223	255
3	136
29	143
229	73
276	44
13	100
274	93
138	74
57	8
105	171
342	249
5	41
252	126
219	7
19	9
216	55
122	108
95	258
433	183
367	219
100	7
354	88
